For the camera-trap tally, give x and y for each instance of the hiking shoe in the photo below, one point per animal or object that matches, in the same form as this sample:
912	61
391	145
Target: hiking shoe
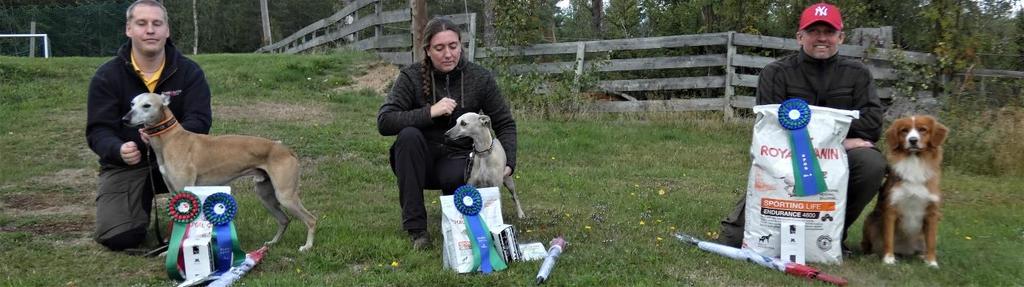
420	239
846	251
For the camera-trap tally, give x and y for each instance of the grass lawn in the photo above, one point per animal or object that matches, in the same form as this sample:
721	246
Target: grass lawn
616	186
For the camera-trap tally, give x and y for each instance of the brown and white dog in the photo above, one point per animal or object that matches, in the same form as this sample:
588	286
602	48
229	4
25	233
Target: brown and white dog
906	217
188	159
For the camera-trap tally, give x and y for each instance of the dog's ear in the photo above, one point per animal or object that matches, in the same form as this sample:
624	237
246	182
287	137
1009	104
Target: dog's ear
939	132
892	136
165	99
485	121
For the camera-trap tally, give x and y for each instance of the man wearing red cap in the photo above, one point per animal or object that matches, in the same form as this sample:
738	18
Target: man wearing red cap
819	76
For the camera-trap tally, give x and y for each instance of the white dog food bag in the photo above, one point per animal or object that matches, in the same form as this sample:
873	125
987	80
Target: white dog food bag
770	198
458	251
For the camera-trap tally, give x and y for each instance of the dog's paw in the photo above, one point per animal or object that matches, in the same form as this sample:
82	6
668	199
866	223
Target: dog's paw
889	259
933	264
305	248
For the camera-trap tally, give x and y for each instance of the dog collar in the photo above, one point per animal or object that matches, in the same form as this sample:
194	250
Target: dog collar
161	128
483	151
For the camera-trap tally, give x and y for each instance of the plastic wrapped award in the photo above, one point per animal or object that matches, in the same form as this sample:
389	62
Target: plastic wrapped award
203	239
486	257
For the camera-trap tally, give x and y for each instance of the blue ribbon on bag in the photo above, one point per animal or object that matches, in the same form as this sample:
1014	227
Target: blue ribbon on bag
220	209
469	202
795	115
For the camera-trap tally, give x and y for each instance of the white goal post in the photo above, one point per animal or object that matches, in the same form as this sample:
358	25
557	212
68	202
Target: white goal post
46	41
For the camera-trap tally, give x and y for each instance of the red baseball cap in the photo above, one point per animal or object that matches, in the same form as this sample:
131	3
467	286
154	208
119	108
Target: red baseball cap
821	12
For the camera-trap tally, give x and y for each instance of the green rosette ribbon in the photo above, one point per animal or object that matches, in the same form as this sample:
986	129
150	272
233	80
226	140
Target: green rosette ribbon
183	209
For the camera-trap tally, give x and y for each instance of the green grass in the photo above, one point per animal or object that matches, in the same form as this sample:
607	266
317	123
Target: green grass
596	180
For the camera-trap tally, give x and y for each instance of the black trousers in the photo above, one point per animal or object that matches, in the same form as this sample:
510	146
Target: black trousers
420	164
123	204
867	168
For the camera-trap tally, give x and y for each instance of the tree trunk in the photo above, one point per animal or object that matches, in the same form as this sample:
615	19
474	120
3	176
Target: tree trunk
490	40
265	17
195	29
597	15
419	21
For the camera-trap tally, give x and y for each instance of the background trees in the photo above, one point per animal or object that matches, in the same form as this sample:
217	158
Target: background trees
984	33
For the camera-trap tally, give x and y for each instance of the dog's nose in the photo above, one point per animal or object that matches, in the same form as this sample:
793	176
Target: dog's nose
912	141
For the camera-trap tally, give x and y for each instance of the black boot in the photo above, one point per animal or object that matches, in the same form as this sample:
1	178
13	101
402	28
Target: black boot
420	239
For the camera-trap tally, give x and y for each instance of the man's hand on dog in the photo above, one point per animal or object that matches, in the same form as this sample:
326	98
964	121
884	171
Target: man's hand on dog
130	153
144	136
852	143
443	107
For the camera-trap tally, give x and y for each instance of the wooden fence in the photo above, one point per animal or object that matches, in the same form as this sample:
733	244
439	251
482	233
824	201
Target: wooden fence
343	27
728	81
341	30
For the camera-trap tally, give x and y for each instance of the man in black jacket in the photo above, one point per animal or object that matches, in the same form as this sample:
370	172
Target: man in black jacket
818	75
148	63
425	101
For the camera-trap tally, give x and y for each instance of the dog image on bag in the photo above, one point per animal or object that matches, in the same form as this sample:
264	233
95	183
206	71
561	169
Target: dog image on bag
487	161
190	159
906	217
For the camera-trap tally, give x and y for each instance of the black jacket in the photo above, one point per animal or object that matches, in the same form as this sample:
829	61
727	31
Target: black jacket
471	86
116	83
835	82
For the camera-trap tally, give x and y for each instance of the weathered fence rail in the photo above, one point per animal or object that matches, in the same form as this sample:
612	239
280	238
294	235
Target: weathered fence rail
878	62
341	28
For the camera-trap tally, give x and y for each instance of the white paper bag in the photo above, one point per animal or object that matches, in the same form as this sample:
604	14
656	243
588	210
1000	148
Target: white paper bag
458	251
770	198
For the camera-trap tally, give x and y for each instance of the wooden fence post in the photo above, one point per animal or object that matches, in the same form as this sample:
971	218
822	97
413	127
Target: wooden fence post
378	30
419	20
581	49
730	73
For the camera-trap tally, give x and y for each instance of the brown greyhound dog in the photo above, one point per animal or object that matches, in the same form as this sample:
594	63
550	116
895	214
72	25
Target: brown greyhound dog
190	159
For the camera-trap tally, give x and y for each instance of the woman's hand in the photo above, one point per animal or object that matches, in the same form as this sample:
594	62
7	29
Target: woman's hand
443	107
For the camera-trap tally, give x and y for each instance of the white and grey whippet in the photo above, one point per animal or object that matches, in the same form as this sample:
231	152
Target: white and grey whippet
189	159
487	161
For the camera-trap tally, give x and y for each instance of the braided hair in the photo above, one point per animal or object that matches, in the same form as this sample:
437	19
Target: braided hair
436	25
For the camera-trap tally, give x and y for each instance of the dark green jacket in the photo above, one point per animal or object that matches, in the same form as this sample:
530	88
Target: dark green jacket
471	86
836	82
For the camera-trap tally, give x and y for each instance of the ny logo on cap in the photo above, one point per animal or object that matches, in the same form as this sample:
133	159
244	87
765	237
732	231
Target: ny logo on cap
821	11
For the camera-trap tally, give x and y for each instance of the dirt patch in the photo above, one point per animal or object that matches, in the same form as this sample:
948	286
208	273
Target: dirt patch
46	201
62	226
378	78
265	111
81	179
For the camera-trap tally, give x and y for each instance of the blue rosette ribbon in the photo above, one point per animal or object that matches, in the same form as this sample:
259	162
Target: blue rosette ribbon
220	209
485	255
795	115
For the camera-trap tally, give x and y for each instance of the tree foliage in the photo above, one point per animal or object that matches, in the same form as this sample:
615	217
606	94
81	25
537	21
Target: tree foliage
961	32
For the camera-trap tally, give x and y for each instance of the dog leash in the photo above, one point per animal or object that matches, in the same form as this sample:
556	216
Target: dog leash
153	209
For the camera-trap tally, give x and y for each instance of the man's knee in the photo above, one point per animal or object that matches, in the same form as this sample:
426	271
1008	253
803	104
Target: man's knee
868	163
126	239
